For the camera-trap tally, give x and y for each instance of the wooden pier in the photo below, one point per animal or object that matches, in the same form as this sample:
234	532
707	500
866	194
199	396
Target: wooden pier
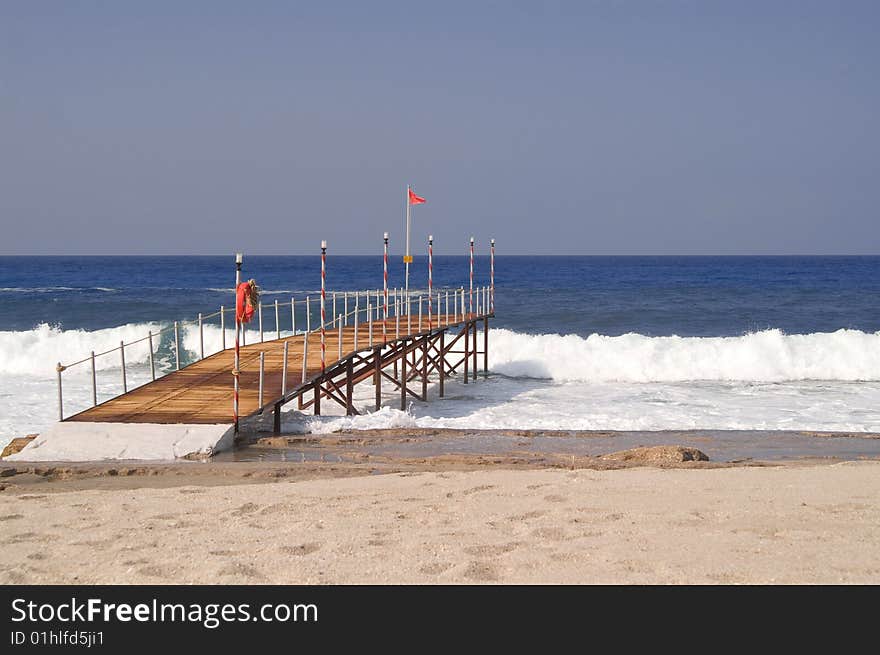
201	393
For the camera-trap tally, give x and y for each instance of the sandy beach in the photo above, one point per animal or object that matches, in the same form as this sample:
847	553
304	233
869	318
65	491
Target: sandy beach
694	523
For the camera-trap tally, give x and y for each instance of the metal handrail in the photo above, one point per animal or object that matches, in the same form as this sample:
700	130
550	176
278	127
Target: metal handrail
399	307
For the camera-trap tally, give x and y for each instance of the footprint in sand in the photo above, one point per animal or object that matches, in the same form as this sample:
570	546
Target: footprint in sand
491	550
528	515
247	508
551	534
302	549
164	517
473	490
435	568
240	569
23	537
192	491
555	498
481	572
156	572
11	517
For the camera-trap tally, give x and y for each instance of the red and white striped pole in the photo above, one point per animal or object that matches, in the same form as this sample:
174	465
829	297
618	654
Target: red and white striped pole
492	278
235	364
430	274
385	282
323	299
471	297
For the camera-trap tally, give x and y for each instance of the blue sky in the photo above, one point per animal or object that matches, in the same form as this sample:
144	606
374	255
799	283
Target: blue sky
556	127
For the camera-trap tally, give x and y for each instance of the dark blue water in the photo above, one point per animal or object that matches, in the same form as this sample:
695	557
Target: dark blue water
688	296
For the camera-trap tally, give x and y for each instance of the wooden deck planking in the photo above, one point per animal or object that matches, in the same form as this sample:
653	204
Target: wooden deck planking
201	393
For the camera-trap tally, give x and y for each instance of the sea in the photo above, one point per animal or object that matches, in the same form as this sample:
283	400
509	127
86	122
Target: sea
578	343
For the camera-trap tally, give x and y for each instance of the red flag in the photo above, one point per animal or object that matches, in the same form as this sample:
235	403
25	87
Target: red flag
414	199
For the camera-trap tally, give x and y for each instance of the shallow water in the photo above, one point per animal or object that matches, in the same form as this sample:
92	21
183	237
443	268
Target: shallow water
720	446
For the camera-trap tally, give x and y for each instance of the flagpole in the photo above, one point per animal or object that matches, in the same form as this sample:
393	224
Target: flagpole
406	258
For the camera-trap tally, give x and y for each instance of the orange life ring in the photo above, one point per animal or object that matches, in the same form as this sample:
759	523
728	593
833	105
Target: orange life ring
244	301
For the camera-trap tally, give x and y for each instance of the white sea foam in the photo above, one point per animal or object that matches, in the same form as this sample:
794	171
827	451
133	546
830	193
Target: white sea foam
767	356
765	380
35	352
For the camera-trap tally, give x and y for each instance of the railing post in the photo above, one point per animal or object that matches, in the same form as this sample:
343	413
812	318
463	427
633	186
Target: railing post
305	356
94	382
222	328
292	316
355	325
122	357
385	291
177	345
447	307
340	337
152	362
308	316
201	338
492	276
323	301
277	321
408	315
334	304
420	313
283	369
239	337
262	373
471	296
345	306
59	368
370	322
260	319
455	306
430	277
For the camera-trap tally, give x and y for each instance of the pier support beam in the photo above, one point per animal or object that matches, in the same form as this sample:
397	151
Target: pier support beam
467	332
425	369
442	363
403	379
474	324
377	376
486	346
349	387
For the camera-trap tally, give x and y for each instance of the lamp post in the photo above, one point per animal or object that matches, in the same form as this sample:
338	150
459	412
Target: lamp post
235	371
